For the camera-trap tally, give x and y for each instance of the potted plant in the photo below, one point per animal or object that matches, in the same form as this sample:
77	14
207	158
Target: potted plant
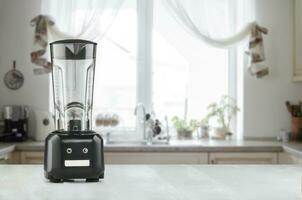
183	128
222	111
204	128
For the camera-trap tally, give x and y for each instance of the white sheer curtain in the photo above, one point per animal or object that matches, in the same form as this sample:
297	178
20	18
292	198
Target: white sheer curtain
68	19
84	19
211	20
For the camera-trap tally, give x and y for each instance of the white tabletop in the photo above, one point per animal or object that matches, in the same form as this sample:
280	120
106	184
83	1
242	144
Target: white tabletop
131	182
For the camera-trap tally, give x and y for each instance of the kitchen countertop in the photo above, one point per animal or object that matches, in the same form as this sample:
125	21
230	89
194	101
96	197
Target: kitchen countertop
174	146
294	148
202	146
183	182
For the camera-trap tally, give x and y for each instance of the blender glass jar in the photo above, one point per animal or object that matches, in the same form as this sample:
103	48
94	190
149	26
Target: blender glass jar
73	66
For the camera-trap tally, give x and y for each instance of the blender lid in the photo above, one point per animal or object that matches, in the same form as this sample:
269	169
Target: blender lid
73	41
73	49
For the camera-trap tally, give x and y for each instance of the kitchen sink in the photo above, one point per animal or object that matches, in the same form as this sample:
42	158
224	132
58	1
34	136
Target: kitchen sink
135	143
125	142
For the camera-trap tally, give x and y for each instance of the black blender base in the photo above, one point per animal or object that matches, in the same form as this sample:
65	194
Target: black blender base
68	180
95	179
87	165
54	180
92	180
57	180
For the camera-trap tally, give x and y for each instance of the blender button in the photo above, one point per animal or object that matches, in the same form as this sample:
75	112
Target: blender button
69	150
85	150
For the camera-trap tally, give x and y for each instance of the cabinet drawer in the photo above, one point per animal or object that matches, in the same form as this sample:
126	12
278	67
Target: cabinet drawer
31	157
4	159
243	158
286	159
131	158
10	158
156	158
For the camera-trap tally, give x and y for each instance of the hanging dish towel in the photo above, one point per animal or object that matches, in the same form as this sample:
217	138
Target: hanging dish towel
256	52
41	22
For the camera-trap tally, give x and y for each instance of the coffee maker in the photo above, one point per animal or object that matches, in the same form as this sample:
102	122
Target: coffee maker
15	123
73	150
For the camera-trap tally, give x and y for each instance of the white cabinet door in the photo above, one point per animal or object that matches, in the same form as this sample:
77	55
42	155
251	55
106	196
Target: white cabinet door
156	158
243	158
4	159
10	158
131	158
287	159
28	157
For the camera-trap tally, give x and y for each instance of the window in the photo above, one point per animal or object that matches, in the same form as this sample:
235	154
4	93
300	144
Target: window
166	69
115	85
187	74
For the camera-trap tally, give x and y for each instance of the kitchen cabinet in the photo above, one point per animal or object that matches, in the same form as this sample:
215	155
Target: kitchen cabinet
243	158
131	158
288	159
28	157
4	159
10	158
36	157
156	158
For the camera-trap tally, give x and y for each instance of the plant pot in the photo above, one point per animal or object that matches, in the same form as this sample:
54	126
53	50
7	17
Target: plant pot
219	133
296	128
204	132
184	134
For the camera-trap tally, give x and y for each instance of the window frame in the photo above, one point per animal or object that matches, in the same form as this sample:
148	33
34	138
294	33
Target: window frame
144	57
144	53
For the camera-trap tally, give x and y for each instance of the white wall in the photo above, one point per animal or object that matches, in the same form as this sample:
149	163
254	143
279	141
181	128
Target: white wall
16	39
264	110
264	100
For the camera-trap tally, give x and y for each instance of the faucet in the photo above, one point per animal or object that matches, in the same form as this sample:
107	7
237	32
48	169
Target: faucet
141	121
140	105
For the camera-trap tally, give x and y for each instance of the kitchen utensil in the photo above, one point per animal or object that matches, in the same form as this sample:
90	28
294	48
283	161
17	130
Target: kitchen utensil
14	79
296	124
294	110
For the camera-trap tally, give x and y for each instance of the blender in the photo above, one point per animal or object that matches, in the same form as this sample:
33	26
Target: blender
73	150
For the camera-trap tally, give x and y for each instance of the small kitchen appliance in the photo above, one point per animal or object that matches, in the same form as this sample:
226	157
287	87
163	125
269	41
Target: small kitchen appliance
73	150
15	123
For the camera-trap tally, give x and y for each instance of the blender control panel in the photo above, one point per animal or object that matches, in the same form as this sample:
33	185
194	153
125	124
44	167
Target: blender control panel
76	153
